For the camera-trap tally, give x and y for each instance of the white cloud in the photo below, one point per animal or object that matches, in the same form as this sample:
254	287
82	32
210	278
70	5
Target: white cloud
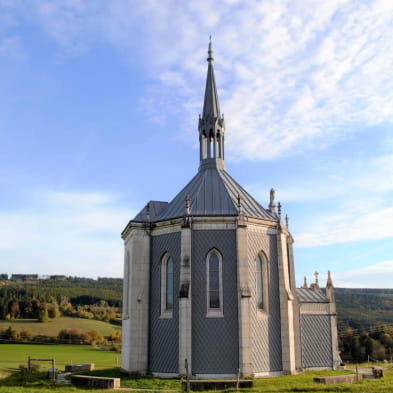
290	74
377	224
379	274
67	233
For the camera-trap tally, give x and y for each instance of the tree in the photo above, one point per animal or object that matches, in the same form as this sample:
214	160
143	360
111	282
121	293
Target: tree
356	348
43	314
369	345
14	309
53	310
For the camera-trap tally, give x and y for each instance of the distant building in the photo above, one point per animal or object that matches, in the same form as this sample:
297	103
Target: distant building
24	277
58	277
209	278
3	276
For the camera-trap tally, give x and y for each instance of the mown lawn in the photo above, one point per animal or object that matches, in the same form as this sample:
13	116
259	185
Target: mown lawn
289	384
53	326
15	382
12	355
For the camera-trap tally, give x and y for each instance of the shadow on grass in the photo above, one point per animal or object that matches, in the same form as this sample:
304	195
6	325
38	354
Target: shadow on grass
17	378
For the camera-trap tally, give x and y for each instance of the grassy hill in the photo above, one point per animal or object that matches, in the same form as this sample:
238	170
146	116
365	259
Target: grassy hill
360	309
364	308
53	326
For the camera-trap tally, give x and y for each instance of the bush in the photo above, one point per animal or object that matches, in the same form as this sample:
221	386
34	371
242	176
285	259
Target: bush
43	314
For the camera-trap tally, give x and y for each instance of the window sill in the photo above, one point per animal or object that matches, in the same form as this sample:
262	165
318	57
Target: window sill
166	315
215	314
262	314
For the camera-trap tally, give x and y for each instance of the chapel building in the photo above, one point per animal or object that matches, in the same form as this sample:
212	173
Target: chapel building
209	279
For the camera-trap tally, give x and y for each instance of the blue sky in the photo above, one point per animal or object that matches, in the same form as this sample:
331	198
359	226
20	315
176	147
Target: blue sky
99	112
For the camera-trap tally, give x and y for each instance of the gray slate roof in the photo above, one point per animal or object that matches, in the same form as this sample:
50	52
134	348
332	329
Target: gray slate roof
212	192
155	207
308	295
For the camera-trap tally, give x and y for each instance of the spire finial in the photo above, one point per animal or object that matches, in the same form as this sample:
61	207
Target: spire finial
305	282
279	210
316	279
287	221
210	57
188	207
329	282
272	206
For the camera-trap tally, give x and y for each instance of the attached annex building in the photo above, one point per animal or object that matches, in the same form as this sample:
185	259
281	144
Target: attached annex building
209	278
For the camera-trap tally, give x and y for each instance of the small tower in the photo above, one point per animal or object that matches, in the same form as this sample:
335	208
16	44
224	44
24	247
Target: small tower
272	205
330	289
211	124
315	285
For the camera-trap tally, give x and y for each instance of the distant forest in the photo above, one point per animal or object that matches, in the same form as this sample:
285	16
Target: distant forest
365	316
43	299
365	323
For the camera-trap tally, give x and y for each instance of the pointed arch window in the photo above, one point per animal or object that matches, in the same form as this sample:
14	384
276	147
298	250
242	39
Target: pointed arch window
166	286
262	282
214	292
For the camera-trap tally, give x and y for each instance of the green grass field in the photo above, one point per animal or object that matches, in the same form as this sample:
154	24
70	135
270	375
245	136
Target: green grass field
53	327
12	355
288	384
12	381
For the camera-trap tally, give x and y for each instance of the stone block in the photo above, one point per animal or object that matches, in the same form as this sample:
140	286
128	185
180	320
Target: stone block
200	385
95	382
334	379
74	368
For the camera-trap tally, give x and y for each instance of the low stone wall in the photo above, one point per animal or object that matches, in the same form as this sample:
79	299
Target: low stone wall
74	368
200	385
349	378
95	382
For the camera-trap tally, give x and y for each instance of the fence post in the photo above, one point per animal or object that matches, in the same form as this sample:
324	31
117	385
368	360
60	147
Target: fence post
187	376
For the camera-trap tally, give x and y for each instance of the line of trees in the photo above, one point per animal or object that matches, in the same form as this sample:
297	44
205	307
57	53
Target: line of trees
65	336
376	344
44	303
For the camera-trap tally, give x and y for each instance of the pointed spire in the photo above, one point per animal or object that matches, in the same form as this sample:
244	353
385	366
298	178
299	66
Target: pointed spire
329	282
315	284
148	212
211	123
188	205
272	205
330	289
305	282
211	107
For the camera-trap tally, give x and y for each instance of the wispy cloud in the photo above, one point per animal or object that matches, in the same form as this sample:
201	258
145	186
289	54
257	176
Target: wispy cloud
377	224
291	74
379	275
65	233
